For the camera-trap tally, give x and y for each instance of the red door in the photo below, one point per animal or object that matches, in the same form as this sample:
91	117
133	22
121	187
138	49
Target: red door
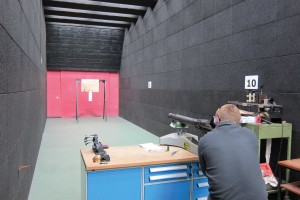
53	94
61	94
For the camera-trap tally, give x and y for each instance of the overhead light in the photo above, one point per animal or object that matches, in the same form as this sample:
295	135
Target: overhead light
84	25
87	19
90	12
96	3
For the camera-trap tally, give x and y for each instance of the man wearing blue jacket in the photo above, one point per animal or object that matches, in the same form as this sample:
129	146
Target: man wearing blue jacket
229	158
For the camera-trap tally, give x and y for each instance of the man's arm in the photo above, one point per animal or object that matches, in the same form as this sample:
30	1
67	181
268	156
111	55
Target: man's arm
201	157
202	164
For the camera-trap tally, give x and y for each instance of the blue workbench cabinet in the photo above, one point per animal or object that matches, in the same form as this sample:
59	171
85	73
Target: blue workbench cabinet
136	174
114	184
179	181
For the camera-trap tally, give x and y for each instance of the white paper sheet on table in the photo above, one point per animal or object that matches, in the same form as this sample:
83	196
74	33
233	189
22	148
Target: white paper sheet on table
153	147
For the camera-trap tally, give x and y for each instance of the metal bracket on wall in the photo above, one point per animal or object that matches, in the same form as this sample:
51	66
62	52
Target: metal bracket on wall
104	99
22	167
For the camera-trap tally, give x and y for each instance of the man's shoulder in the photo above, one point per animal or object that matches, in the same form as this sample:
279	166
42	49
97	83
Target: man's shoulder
248	131
208	136
215	132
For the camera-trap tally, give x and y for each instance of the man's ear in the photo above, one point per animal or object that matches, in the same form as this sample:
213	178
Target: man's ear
217	119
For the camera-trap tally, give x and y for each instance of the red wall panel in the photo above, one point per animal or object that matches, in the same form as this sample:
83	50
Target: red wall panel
53	94
85	107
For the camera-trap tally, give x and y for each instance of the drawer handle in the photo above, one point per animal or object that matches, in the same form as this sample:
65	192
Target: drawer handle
170	168
200	173
202	184
168	176
202	198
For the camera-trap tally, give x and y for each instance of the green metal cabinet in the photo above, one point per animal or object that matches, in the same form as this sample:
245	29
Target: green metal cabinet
270	131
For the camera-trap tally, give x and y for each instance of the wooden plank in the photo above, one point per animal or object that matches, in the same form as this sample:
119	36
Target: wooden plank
292	187
134	156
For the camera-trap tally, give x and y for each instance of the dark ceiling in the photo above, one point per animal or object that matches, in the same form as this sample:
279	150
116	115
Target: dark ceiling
103	13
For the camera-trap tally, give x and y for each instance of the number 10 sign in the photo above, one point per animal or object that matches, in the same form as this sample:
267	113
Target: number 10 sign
251	82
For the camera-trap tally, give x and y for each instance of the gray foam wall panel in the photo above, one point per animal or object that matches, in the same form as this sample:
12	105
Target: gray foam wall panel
22	93
84	48
201	52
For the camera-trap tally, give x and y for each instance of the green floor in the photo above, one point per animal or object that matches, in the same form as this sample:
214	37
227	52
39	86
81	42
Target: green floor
57	172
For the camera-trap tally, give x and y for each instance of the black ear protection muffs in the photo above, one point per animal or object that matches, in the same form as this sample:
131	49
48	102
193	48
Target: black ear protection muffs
215	120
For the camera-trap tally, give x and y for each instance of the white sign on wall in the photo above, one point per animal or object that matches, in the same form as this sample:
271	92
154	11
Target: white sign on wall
149	84
251	82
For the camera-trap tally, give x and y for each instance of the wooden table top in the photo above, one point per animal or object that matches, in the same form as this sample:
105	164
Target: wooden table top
291	164
135	156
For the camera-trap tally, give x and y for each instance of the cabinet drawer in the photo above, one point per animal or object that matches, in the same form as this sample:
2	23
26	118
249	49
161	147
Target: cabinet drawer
197	172
167	172
196	166
200	194
168	176
125	183
168	191
200	198
201	183
166	168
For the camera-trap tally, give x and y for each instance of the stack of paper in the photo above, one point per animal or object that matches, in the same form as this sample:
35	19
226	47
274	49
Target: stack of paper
153	147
